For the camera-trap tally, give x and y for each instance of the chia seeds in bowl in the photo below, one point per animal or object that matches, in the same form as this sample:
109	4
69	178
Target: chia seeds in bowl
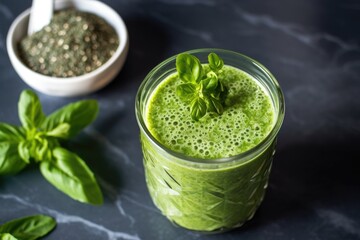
73	44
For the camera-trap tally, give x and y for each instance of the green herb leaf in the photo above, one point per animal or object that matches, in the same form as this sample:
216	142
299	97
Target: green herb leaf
41	149
221	92
71	175
10	133
7	236
30	110
189	68
214	105
211	82
29	228
10	160
61	131
215	62
186	91
77	115
24	151
198	108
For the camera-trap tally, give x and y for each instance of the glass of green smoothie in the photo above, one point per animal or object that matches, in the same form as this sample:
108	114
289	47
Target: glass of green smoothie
210	174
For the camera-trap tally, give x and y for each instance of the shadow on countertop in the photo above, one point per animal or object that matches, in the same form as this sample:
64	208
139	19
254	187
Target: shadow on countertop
307	180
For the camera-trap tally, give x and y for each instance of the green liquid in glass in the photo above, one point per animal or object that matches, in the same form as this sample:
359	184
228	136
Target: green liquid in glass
224	196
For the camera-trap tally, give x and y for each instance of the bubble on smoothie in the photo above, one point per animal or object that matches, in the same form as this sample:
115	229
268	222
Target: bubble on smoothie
242	126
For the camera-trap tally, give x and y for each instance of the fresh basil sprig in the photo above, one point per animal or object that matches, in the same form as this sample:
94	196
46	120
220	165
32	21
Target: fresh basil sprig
38	141
204	91
27	228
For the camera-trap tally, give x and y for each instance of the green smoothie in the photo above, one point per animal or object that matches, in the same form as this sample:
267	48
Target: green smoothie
209	173
246	121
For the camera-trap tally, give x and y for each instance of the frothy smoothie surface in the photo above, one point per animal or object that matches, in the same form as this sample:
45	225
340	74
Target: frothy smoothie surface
247	119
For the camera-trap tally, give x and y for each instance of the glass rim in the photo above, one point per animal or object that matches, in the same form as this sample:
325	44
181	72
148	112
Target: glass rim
241	157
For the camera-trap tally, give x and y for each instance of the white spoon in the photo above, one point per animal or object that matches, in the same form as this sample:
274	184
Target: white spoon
40	15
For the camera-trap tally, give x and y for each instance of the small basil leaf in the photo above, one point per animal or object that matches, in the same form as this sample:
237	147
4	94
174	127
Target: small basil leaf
41	148
10	161
30	110
189	68
222	92
214	105
222	87
7	236
29	228
186	91
215	62
78	115
61	131
10	133
24	151
212	82
198	109
69	173
204	83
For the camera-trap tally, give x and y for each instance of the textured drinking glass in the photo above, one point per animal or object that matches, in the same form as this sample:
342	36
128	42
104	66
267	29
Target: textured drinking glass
208	194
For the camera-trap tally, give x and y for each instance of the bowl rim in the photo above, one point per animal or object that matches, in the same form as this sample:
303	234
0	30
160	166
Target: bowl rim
121	49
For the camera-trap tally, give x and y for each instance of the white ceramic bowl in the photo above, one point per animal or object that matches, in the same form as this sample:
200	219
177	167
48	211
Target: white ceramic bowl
72	86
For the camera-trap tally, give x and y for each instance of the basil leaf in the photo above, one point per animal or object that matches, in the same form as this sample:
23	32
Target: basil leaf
198	109
204	83
10	133
61	131
29	228
210	83
10	161
215	62
30	110
222	91
186	91
7	236
41	149
78	115
213	83
24	150
189	68
69	173
221	87
214	105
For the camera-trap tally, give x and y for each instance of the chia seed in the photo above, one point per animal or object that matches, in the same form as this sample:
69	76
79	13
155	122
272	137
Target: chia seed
73	44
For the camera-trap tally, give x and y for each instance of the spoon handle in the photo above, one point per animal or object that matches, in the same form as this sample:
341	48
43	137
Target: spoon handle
41	14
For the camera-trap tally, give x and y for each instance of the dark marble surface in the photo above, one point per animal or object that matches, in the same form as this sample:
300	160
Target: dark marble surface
313	49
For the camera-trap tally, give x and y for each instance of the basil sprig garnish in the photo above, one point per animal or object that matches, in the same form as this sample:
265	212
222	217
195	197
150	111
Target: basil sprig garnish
27	228
203	90
38	141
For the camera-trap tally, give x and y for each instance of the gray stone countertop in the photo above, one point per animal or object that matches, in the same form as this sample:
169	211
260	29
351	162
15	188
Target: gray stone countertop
313	49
